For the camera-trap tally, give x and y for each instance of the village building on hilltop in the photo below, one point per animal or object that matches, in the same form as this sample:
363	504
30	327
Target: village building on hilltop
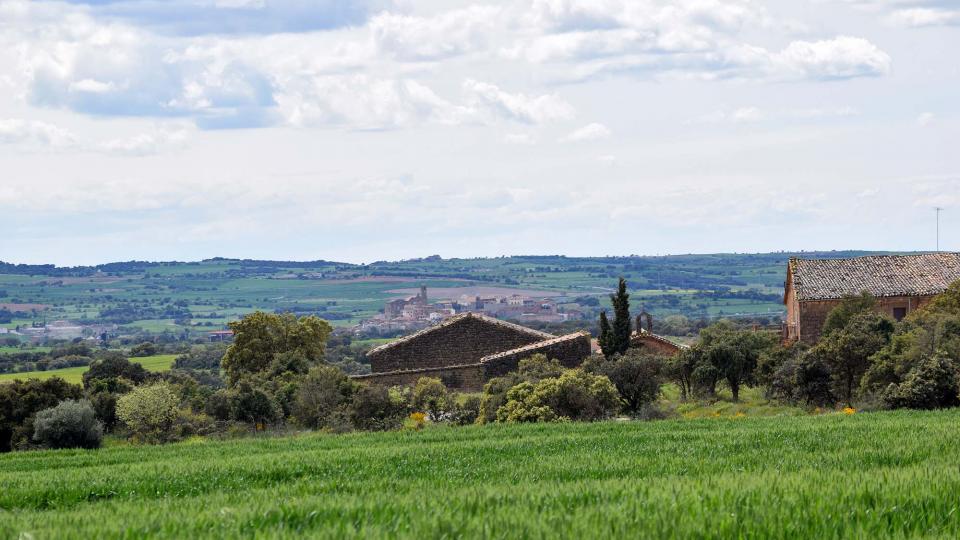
901	284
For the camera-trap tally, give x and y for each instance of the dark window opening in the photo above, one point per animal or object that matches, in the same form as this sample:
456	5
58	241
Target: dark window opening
899	313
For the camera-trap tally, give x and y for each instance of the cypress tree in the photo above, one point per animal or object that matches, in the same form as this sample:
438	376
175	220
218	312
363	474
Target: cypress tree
605	335
621	318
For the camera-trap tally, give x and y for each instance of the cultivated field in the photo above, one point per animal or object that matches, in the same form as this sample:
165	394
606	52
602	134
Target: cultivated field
881	475
159	362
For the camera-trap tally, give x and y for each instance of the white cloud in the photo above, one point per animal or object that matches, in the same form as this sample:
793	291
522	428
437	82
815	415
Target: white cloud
408	37
489	100
519	138
925	119
36	133
919	17
843	57
144	144
589	132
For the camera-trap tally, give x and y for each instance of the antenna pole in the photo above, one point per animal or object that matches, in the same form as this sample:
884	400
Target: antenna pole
938	210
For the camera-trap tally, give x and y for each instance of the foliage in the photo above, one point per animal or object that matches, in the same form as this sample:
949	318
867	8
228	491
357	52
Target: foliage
431	396
840	316
533	369
637	376
114	366
268	341
732	353
606	339
323	398
847	352
201	358
575	395
375	408
147	348
149	412
621	318
21	400
931	384
71	424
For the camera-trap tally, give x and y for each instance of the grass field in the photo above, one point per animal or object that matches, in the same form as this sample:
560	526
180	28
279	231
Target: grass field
880	475
160	362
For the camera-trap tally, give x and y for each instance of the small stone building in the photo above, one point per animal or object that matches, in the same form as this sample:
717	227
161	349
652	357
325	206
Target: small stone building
901	284
466	350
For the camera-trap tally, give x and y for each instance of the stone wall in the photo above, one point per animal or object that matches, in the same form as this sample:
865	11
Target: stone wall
569	350
459	341
468	378
813	313
655	344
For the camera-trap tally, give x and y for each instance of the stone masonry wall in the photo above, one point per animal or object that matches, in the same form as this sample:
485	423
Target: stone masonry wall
813	313
654	344
569	350
465	341
468	378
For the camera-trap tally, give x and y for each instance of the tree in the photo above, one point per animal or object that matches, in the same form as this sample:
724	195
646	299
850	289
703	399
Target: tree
21	400
146	348
431	396
605	340
324	394
733	353
848	351
621	318
114	365
932	384
575	395
71	424
637	376
149	412
262	338
841	315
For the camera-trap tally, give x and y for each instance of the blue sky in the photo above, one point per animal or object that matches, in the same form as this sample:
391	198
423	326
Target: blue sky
360	131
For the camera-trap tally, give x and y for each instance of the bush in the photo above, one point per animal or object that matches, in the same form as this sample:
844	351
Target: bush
533	369
114	366
374	408
144	349
932	384
637	376
21	400
149	412
71	424
466	410
575	395
325	392
431	396
105	407
254	405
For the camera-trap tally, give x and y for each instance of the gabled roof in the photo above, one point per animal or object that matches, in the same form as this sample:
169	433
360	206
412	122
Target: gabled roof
538	345
643	334
457	319
880	275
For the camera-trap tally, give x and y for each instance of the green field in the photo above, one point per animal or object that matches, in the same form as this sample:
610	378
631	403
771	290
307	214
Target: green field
160	362
879	475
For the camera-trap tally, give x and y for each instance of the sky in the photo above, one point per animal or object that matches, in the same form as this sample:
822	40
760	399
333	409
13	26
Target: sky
368	130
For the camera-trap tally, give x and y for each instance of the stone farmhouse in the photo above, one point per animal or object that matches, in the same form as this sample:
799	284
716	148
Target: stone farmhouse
901	284
466	350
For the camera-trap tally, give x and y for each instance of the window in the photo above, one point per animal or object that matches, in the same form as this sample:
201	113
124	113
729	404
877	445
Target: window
899	313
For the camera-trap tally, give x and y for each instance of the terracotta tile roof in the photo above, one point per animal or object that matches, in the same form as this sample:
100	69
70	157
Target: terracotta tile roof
880	275
643	334
456	319
538	345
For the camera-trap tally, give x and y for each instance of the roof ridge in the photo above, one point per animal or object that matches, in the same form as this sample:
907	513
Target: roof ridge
455	319
556	339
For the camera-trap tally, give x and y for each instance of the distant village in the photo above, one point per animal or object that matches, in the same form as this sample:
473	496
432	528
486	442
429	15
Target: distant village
418	312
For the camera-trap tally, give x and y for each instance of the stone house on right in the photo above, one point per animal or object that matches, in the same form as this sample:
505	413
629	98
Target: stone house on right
901	284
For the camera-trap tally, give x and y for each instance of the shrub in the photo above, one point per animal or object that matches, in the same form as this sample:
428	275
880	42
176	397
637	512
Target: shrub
465	410
218	405
144	349
932	384
533	369
575	395
149	412
254	405
71	424
636	375
324	391
105	407
114	366
431	396
21	400
373	408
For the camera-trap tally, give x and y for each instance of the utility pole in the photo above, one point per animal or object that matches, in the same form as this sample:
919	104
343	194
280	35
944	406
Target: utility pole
938	210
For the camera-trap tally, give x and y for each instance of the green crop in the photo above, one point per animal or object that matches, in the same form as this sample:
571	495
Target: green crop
880	475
